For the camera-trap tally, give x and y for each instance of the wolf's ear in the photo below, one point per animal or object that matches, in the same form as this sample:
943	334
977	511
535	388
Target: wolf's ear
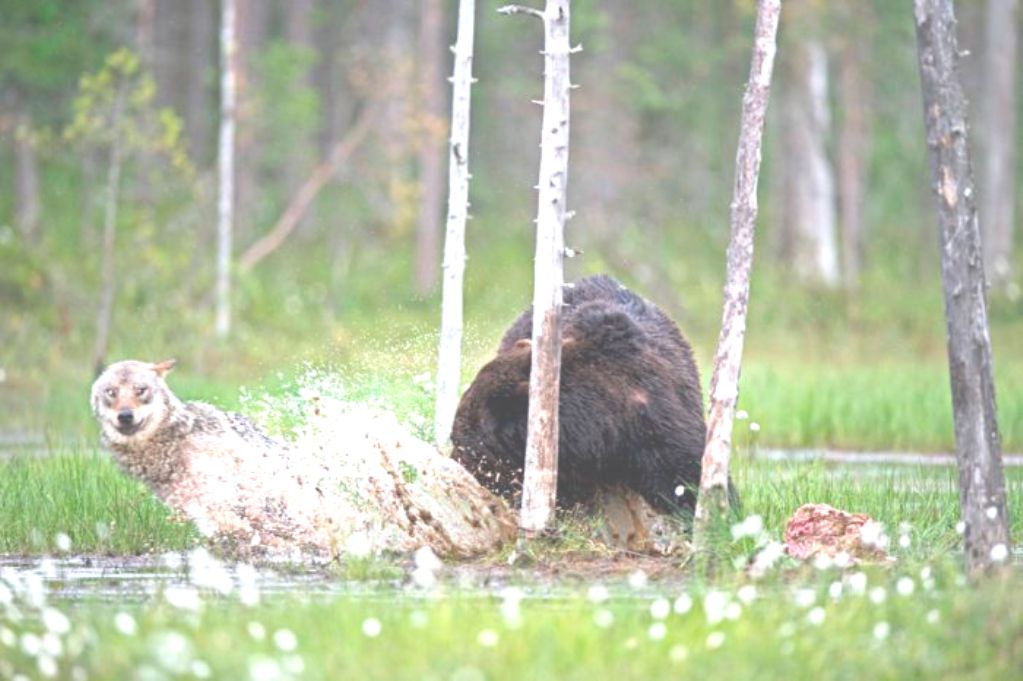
164	368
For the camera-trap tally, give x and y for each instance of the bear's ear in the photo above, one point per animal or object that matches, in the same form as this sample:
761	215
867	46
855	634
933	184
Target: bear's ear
523	343
165	367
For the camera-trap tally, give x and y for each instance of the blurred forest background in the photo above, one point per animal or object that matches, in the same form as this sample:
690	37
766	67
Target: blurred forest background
846	273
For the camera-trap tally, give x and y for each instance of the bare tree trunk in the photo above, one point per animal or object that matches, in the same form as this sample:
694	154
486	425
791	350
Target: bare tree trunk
854	95
26	179
252	28
540	477
431	56
724	386
998	106
811	185
201	22
225	165
978	449
104	316
299	33
449	357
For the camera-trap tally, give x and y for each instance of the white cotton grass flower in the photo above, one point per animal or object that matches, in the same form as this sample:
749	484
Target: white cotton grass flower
733	611
285	640
7	638
200	669
171	650
510	608
47	666
487	638
816	616
741	415
933	616
55	621
660	609
751	526
31	644
804	598
842	560
960	527
835	590
872	534
905	586
62	542
999	552
427	565
746	594
823	561
878	595
597	593
263	668
125	624
754	427
683	604
206	572
714	604
766	559
52	645
881	630
715	640
657	631
256	630
248	584
371	627
680	491
991	512
182	597
637	579
603	618
678	653
857	583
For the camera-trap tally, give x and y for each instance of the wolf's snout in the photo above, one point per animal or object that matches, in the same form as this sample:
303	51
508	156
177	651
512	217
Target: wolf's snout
125	417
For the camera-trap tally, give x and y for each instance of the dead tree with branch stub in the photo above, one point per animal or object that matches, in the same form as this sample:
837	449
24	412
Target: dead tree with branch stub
724	387
540	476
449	355
978	448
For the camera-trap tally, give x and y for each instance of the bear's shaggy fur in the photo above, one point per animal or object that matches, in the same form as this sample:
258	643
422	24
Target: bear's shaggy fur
631	409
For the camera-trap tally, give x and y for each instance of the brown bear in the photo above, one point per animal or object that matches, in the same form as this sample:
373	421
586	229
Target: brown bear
631	407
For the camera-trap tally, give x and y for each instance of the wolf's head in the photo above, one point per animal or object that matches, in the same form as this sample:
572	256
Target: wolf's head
130	400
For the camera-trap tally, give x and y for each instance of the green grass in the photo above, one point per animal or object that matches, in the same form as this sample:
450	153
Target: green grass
85	497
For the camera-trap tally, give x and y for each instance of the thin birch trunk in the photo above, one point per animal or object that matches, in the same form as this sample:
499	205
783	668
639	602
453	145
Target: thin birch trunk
854	97
225	166
978	448
449	359
104	317
540	477
724	386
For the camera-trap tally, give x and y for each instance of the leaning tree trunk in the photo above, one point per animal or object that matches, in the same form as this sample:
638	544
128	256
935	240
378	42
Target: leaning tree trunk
225	166
540	477
998	105
978	450
724	386
449	359
104	317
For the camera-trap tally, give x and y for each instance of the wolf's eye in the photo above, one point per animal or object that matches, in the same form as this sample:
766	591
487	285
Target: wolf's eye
141	390
111	393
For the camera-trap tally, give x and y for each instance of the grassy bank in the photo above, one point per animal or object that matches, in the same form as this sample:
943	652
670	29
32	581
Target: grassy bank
82	495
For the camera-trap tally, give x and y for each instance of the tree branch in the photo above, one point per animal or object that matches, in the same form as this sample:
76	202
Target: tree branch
307	192
521	9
